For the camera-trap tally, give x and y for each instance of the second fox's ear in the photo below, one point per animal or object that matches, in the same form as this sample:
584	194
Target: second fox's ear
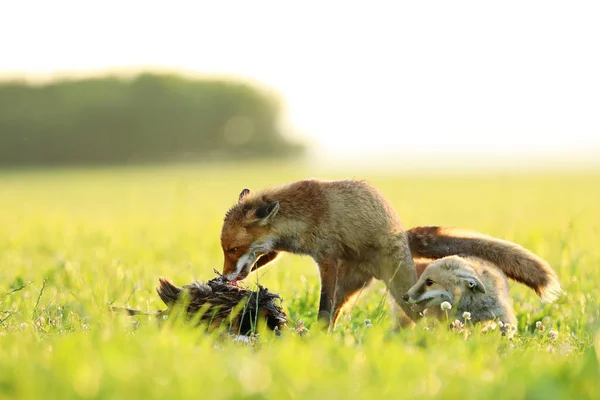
243	194
473	283
264	214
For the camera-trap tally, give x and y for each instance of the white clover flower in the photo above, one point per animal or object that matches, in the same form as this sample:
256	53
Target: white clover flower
446	306
458	325
553	335
489	327
540	326
508	330
467	316
300	329
500	324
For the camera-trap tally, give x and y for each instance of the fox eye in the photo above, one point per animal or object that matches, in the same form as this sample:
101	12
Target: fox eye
428	282
232	250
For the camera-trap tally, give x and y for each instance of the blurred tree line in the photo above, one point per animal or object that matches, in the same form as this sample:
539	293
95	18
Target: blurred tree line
145	119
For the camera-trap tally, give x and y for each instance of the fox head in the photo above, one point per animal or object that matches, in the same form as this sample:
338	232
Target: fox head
247	235
446	279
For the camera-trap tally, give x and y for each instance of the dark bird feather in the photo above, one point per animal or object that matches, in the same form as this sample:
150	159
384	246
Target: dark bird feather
216	300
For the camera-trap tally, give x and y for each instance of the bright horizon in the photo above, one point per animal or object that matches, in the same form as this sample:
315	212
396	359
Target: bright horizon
463	80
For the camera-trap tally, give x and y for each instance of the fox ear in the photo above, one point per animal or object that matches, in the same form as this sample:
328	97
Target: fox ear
244	193
265	214
473	283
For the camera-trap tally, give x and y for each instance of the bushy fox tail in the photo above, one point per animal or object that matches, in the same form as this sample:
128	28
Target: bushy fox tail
515	261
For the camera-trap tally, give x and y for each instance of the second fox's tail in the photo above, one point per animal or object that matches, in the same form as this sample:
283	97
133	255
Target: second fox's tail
515	261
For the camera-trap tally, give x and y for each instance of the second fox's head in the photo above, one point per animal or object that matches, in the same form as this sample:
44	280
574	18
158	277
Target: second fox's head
246	234
446	279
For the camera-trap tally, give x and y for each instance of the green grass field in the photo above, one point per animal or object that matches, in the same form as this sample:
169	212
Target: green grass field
71	241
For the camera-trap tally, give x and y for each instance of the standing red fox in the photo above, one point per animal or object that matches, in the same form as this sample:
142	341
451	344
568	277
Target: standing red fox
350	230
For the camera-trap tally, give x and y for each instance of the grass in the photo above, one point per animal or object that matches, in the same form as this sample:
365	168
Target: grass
71	241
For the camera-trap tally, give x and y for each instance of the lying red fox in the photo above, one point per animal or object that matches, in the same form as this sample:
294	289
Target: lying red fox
469	284
479	286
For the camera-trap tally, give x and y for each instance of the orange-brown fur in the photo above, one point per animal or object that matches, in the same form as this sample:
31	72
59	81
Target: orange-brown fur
347	227
355	236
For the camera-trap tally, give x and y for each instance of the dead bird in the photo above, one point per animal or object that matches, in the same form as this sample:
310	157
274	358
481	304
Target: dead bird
219	303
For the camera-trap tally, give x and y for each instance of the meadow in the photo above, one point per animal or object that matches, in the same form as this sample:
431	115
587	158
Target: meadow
73	241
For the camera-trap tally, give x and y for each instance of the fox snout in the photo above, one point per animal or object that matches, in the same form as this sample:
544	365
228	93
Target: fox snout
242	268
421	298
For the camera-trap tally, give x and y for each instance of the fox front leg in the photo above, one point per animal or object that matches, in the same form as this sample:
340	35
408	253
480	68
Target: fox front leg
340	281
325	303
399	275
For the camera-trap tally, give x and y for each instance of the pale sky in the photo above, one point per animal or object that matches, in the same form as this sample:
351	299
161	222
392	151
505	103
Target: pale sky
359	78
